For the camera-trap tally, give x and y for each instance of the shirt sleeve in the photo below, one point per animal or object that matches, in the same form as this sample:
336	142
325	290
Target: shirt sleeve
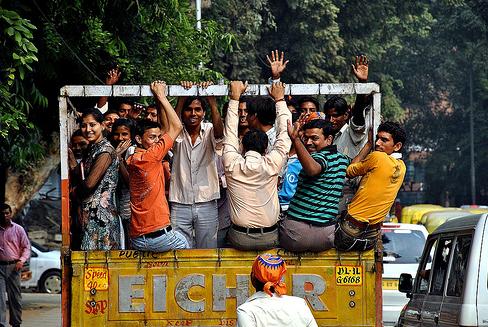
358	133
244	319
96	173
275	160
25	246
290	182
321	160
362	167
159	149
231	141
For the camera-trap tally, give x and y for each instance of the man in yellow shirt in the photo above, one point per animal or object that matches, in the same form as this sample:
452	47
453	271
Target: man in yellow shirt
382	174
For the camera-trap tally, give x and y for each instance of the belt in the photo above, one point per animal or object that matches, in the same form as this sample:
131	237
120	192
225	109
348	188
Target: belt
158	233
255	230
11	262
361	224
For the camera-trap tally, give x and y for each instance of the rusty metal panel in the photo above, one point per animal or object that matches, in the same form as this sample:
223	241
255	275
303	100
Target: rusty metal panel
204	287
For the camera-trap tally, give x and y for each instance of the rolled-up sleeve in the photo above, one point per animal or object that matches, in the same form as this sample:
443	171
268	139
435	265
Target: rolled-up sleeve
25	246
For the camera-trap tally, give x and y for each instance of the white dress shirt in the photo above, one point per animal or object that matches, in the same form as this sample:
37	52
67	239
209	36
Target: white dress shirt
263	310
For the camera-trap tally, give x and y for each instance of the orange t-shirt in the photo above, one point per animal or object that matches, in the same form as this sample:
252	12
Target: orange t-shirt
150	210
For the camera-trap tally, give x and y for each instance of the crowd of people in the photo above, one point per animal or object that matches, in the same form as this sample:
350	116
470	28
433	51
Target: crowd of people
270	171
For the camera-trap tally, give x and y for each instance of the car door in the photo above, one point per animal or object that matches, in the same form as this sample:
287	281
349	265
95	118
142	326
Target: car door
412	314
433	300
451	304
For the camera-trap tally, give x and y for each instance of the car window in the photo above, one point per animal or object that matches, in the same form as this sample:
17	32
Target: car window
422	284
402	245
441	262
457	274
39	247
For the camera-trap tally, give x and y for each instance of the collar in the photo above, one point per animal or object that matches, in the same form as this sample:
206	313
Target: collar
253	154
396	155
330	148
258	295
342	130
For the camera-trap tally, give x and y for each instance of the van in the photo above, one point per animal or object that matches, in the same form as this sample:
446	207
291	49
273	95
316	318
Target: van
451	285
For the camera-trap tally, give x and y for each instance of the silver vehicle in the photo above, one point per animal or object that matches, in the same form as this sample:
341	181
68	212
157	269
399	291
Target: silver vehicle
451	285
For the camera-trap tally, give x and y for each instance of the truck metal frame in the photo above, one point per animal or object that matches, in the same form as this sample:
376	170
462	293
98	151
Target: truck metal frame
76	263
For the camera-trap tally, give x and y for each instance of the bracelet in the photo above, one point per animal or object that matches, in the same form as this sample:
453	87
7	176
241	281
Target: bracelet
282	99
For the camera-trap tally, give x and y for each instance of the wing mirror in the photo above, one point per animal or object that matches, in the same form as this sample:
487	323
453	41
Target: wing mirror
405	284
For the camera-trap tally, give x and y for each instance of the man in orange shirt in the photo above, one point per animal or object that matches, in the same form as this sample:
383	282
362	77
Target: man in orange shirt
150	227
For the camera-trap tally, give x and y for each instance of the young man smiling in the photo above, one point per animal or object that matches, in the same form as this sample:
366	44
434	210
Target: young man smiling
311	216
382	174
150	228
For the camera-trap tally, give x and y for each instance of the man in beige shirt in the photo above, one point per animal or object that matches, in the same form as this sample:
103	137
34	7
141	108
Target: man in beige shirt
252	177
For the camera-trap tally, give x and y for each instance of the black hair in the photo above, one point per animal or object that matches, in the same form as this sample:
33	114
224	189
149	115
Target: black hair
129	123
292	102
110	111
264	108
338	103
152	105
77	133
245	99
396	131
255	140
307	98
6	207
189	100
324	125
96	113
128	101
143	125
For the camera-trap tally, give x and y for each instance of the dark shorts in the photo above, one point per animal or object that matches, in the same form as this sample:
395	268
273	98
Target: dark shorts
351	237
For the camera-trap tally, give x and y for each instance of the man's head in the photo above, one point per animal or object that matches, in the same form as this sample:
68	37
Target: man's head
308	104
390	137
255	140
5	214
151	113
337	112
260	112
122	130
292	105
109	118
317	134
193	112
267	272
125	107
147	133
242	112
78	143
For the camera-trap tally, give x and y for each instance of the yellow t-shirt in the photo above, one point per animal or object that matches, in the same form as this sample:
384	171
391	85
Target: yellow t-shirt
382	178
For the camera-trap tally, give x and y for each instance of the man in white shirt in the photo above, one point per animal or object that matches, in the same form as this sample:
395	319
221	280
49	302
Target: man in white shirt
269	306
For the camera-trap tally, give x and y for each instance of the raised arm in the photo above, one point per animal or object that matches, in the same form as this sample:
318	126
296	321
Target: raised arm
112	78
231	139
361	70
366	148
277	64
164	107
218	125
309	165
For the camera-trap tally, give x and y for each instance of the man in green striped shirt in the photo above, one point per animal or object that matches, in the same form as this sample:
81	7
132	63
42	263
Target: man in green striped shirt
310	220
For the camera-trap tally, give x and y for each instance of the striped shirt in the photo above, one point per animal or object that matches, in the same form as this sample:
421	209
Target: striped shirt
317	197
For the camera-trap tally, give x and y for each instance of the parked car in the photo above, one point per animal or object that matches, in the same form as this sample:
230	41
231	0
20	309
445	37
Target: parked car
402	249
45	266
450	287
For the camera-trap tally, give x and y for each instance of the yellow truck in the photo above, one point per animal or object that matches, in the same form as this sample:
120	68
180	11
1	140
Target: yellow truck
203	287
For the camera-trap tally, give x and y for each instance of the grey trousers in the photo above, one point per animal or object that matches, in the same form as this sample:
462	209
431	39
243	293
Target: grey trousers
253	241
300	236
10	283
198	222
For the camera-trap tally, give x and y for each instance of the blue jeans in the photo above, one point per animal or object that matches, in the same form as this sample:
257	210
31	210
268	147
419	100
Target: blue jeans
172	240
199	223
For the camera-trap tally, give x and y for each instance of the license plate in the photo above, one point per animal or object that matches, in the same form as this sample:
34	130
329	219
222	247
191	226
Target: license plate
349	275
390	284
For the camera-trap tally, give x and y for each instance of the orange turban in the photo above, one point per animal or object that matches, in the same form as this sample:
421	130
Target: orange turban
315	115
269	269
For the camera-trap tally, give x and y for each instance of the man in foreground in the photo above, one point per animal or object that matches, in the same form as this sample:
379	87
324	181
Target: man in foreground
14	252
383	172
269	306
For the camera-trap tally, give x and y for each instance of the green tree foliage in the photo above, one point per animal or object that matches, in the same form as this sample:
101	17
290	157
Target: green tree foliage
19	138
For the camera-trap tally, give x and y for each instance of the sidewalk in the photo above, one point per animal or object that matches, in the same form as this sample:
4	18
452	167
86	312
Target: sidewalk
41	310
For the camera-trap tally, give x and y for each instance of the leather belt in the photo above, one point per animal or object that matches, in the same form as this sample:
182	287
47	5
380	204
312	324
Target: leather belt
254	230
6	263
158	233
361	224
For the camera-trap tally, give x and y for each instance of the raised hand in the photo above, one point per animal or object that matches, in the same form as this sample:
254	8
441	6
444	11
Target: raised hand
113	76
236	88
186	84
360	68
277	91
158	88
122	147
205	84
277	63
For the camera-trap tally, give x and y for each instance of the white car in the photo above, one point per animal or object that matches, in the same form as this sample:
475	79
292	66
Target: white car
45	266
402	249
